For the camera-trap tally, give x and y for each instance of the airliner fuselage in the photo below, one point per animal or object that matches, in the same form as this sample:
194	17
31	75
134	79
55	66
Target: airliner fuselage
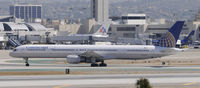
104	51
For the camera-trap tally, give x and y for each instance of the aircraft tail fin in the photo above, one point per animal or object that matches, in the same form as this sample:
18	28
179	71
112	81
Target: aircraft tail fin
103	29
171	37
188	38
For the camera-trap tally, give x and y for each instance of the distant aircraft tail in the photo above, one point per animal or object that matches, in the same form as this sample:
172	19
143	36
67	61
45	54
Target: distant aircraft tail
188	39
103	29
171	37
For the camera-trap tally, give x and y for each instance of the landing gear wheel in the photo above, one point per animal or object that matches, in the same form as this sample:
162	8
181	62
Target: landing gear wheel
94	65
27	65
103	65
26	62
163	63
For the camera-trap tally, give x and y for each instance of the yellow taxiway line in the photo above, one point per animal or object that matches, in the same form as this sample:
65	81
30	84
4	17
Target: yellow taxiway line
187	84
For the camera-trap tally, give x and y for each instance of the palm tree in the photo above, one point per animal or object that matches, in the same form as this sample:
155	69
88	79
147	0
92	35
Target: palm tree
143	83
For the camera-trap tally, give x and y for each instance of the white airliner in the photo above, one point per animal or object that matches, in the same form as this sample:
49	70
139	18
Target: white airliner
93	54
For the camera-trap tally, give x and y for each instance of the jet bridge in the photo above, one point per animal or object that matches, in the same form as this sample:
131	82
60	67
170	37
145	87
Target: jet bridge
14	42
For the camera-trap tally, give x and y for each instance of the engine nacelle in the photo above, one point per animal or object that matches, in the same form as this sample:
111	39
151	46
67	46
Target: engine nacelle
73	59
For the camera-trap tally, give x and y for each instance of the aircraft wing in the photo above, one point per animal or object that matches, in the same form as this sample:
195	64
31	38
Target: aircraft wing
172	50
90	54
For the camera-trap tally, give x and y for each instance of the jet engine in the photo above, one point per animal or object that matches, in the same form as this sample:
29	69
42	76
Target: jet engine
73	59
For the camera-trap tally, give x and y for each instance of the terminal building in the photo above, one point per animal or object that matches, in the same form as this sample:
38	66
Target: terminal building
14	34
136	19
130	29
155	31
137	29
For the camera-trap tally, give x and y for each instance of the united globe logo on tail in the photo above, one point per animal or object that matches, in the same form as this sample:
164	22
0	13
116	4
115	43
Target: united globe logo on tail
167	41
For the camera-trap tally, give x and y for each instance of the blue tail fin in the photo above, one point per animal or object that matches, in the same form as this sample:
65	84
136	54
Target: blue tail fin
188	39
171	37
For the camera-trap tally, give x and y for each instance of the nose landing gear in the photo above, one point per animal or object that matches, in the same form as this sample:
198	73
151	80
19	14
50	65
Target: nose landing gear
26	62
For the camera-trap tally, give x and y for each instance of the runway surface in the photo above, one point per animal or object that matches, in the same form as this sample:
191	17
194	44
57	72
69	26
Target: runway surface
84	81
194	69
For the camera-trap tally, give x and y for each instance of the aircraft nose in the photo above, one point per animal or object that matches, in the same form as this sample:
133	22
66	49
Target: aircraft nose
11	54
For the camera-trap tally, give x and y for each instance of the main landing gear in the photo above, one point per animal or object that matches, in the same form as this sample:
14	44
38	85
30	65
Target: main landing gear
94	65
26	62
102	64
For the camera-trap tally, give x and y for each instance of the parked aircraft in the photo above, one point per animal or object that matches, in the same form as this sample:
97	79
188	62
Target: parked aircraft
188	39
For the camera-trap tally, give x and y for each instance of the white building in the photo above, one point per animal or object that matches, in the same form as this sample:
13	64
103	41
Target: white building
134	19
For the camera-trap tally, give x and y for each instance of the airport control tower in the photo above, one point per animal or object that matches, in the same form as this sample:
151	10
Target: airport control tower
100	10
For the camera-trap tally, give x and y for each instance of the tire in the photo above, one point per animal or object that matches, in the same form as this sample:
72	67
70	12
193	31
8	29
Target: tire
163	63
103	65
27	65
94	65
